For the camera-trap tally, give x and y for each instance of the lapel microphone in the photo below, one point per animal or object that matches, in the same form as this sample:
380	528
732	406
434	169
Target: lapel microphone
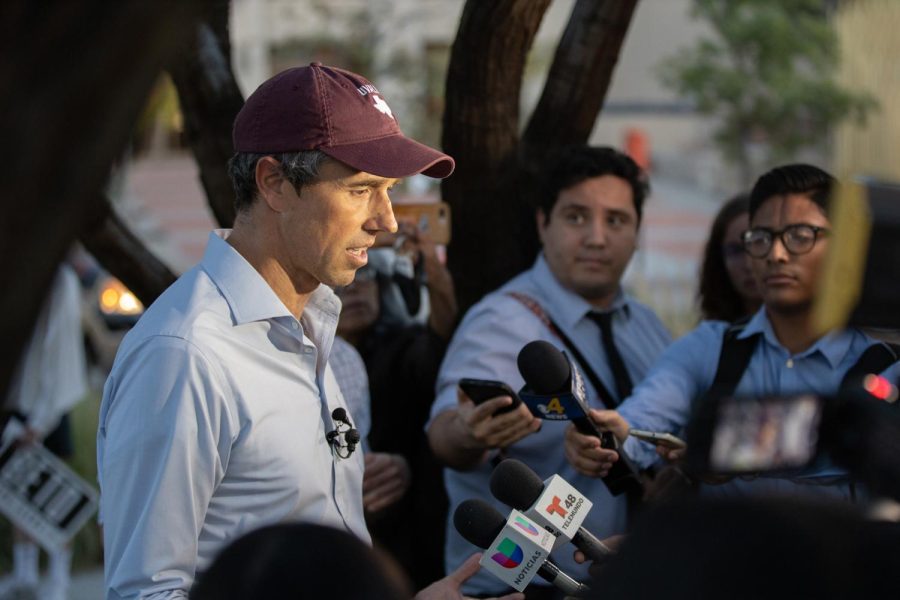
343	441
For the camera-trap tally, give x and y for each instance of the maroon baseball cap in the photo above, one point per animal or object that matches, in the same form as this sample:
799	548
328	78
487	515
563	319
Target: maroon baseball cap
337	112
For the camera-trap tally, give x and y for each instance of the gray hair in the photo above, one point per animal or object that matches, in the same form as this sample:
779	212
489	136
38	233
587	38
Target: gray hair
300	168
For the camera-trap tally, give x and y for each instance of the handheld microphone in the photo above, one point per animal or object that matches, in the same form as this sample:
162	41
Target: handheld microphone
343	448
554	390
514	547
552	504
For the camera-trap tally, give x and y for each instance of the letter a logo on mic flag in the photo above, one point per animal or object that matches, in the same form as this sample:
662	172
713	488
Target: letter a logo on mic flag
509	555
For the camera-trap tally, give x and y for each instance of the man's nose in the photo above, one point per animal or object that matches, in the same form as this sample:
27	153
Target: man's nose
778	252
597	232
384	213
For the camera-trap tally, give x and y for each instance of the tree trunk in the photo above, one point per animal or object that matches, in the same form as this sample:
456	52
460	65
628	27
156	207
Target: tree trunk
481	131
77	75
496	187
210	100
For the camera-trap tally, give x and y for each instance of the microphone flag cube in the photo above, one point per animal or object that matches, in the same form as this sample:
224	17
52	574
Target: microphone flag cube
518	551
560	509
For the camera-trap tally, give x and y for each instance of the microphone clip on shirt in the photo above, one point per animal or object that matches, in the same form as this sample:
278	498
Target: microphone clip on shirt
344	437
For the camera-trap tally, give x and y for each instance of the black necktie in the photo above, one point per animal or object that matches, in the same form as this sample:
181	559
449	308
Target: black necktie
620	373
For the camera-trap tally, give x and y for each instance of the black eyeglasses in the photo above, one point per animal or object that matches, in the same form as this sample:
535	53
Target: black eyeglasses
797	239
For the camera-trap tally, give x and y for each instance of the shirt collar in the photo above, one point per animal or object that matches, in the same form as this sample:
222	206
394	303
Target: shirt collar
248	295
569	307
834	345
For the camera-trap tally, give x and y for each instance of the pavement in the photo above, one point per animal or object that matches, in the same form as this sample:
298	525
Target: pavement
87	585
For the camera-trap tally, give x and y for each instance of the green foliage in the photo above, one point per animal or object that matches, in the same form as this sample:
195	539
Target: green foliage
767	75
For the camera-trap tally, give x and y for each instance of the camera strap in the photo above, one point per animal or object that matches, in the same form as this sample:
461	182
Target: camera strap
733	359
736	354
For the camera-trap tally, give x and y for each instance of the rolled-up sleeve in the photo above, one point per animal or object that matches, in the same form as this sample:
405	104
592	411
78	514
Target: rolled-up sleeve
162	448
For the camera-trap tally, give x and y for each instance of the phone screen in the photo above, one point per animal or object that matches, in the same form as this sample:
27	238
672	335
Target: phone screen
481	390
765	434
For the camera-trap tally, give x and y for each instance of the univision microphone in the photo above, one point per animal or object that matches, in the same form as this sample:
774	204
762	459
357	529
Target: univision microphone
516	549
554	390
553	504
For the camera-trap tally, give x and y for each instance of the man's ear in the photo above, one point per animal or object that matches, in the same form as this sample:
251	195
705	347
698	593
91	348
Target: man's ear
540	219
270	183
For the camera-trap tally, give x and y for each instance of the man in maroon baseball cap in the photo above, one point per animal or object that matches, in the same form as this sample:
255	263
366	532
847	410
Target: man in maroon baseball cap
337	112
221	413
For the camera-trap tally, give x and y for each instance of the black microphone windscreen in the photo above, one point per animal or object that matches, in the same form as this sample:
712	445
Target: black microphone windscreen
543	367
339	414
514	483
478	522
352	436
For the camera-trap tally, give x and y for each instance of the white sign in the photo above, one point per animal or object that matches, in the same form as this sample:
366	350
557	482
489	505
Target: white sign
41	495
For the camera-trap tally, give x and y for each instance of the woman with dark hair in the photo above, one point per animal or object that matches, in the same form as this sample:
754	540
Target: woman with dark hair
727	290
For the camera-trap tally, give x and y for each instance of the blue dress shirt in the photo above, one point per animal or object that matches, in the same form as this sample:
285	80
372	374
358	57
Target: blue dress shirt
664	399
213	423
486	345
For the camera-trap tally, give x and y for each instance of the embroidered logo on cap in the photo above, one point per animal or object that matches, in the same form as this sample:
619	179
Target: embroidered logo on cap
382	106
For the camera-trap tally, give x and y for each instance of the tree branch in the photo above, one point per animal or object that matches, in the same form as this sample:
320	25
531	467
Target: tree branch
210	100
121	253
580	74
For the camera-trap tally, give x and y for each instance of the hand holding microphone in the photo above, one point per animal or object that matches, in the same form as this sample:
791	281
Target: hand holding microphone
553	387
586	452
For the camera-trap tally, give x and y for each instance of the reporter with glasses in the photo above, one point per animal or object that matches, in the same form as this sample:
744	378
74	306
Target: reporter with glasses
783	354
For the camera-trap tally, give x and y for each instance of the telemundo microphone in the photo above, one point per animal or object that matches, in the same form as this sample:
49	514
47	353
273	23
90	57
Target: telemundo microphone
554	390
516	549
553	504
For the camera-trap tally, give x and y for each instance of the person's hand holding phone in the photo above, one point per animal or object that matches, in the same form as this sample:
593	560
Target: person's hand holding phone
669	453
486	426
668	446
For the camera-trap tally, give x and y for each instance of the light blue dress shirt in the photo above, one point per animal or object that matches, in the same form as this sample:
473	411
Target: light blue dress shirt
350	371
486	345
664	399
213	423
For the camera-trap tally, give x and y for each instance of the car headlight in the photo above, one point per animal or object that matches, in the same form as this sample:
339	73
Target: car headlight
117	300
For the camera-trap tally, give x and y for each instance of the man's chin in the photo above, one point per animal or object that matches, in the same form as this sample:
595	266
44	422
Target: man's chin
786	305
596	292
342	279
